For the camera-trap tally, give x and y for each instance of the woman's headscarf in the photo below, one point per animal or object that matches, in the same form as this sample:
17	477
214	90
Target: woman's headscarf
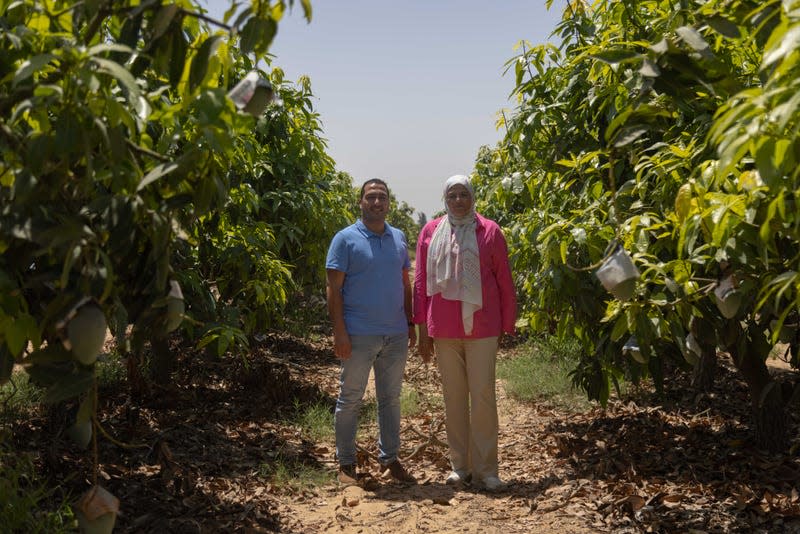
453	266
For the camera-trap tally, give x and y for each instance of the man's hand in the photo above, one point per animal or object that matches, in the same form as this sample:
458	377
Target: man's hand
342	347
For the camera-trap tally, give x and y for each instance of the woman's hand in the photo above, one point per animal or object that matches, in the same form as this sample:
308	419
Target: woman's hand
412	335
425	344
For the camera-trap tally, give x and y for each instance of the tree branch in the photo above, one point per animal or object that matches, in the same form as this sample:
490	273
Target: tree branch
147	151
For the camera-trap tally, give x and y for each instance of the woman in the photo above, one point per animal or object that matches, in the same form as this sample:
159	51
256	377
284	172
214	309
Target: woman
463	302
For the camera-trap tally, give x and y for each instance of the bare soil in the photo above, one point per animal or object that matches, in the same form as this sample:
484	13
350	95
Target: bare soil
200	456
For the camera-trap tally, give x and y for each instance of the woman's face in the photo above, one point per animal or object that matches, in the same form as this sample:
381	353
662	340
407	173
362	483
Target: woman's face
459	201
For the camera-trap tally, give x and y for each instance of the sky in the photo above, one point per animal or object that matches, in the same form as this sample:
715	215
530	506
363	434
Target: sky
408	91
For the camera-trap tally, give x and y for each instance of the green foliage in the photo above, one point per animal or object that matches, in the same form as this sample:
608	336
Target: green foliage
291	471
409	402
316	421
669	130
367	418
111	372
540	371
291	474
126	167
401	216
22	497
18	397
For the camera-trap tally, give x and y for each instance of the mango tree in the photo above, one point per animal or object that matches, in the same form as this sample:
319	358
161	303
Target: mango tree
140	185
267	245
609	154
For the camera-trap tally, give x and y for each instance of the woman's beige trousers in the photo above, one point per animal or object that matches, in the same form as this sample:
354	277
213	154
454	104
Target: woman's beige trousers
467	367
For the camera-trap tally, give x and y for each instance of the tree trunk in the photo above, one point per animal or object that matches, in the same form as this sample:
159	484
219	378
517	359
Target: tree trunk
770	423
705	371
770	420
163	361
135	378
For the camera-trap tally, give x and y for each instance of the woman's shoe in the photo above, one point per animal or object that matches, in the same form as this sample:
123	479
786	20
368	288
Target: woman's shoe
493	484
457	477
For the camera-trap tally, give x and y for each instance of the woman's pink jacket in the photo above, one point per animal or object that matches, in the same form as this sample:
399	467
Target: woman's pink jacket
499	311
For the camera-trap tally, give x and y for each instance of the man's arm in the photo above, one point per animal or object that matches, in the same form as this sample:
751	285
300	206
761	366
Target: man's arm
341	339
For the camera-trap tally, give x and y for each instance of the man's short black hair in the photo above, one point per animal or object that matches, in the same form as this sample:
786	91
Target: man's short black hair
373	181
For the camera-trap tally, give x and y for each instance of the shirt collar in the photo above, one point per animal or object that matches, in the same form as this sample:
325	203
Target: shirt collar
367	232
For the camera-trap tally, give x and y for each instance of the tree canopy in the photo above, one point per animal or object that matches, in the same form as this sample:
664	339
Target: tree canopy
137	193
666	131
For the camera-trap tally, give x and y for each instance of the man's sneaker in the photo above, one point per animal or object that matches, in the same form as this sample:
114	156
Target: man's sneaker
347	475
399	473
457	477
493	484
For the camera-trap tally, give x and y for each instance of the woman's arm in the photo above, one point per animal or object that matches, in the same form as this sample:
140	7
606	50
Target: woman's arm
505	282
425	343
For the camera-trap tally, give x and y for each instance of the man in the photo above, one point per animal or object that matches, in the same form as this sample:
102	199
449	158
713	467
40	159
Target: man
369	302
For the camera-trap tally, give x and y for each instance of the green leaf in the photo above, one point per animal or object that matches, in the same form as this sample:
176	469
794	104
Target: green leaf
69	386
52	353
613	56
770	158
306	9
158	172
30	66
6	365
177	61
788	44
692	37
246	12
257	35
163	19
787	279
19	331
683	202
620	328
204	195
724	26
649	69
732	153
200	61
277	11
109	47
86	410
129	34
629	134
48	90
14	337
47	374
121	74
774	207
661	47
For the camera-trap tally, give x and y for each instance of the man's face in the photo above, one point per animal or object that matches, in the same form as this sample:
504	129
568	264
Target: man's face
374	203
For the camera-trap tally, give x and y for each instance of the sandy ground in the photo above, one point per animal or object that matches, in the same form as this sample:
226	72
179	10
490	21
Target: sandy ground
433	507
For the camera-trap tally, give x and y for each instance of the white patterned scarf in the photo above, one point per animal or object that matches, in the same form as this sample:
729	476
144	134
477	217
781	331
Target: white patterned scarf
454	267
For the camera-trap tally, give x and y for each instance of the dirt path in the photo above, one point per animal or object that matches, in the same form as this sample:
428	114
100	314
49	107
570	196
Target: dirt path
204	455
433	507
671	463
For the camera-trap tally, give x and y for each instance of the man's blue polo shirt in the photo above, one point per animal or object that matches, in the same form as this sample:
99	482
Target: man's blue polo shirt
373	285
